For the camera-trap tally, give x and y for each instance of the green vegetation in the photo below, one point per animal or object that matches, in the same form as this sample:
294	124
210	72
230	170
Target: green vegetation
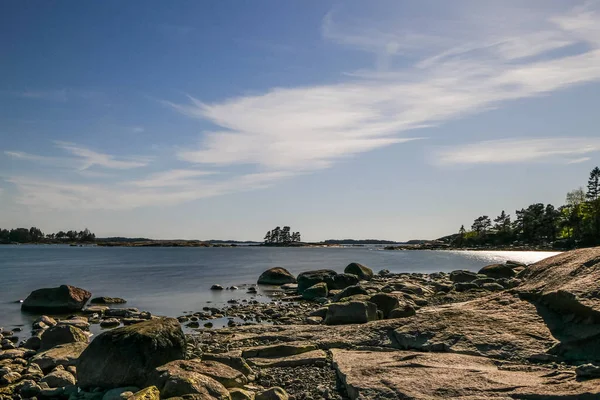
282	237
35	235
575	224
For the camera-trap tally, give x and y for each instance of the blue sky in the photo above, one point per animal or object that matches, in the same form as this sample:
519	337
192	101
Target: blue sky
223	119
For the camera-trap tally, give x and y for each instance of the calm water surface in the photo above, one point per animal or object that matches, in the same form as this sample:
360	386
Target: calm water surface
169	281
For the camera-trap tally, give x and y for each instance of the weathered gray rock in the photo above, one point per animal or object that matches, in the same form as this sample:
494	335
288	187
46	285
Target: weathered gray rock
500	326
126	356
349	291
364	273
342	281
224	374
308	358
404	311
461	276
588	371
310	278
276	276
568	283
385	302
62	334
279	350
498	271
65	355
58	378
176	380
354	312
62	299
409	375
316	291
108	300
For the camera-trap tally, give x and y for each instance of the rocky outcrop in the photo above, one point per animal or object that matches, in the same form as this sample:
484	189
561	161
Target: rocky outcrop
363	272
62	299
499	326
410	375
568	283
127	356
276	276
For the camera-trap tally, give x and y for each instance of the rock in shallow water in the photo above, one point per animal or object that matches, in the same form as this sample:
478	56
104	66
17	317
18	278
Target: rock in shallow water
62	299
276	276
364	273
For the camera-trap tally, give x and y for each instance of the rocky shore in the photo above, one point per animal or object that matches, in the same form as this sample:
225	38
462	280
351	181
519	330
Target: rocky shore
510	331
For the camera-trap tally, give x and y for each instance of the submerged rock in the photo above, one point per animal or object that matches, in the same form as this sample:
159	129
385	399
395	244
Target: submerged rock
276	276
126	356
62	299
108	300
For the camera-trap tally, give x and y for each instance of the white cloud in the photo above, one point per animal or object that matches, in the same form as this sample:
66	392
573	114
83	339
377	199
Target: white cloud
423	74
52	95
505	151
44	194
90	158
137	129
175	177
307	128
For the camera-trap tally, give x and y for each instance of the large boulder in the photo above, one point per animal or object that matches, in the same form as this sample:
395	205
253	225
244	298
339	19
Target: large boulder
276	276
127	356
363	272
62	299
181	378
311	278
62	334
497	271
354	312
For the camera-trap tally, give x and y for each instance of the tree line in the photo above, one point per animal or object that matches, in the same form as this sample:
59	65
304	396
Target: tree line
35	235
574	224
282	236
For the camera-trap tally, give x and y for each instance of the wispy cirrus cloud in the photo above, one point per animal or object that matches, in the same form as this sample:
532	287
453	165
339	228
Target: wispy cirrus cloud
82	157
519	150
451	75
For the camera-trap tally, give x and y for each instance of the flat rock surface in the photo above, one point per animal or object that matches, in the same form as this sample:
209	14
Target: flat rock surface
312	357
410	375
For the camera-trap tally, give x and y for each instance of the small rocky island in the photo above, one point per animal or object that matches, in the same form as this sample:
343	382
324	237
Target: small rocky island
510	331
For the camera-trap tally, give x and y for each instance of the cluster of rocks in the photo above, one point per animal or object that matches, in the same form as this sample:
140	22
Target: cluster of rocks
508	331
